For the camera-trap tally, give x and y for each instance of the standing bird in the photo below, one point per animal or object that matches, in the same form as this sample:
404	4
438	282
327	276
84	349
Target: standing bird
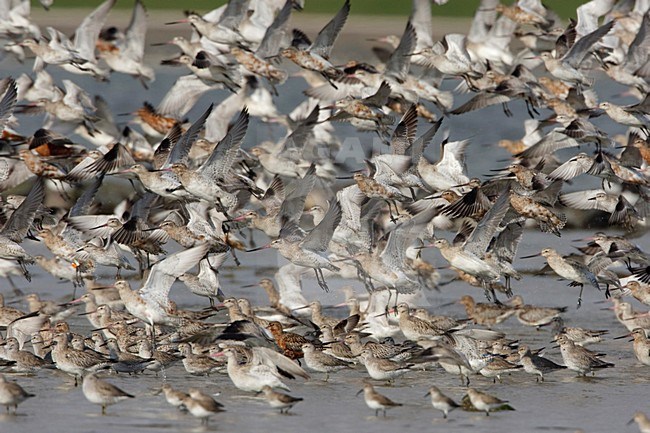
322	362
279	400
376	401
441	402
12	394
579	359
484	402
641	345
100	392
201	405
535	364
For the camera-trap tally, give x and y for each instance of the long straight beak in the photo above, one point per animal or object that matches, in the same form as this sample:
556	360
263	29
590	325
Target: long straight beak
87	313
248	286
176	22
301	308
103	288
531	256
448	304
263	247
622	337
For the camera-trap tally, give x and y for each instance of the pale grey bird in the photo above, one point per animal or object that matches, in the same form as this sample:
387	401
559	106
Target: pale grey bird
567	67
308	250
441	402
16	228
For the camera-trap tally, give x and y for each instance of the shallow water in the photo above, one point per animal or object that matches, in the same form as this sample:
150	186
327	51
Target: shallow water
562	403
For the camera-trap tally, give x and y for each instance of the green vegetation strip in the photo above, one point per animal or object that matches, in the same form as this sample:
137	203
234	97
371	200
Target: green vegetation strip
454	8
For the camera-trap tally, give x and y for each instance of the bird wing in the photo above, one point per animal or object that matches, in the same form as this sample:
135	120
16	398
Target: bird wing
505	244
296	195
481	100
453	157
164	273
351	199
572	168
477	243
421	20
223	156
637	53
136	33
233	14
21	219
319	238
423	141
86	35
379	97
550	143
404	133
579	50
398	63
181	149
275	33
116	158
566	39
325	39
295	143
263	354
274	195
93	225
402	236
182	96
8	101
581	199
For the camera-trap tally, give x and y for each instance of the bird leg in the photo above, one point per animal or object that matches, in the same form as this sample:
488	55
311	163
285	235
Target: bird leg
23	267
390	212
530	108
17	291
470	86
412	193
321	279
506	109
486	290
580	296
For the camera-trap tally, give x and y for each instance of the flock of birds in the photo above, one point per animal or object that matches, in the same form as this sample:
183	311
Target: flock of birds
190	186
